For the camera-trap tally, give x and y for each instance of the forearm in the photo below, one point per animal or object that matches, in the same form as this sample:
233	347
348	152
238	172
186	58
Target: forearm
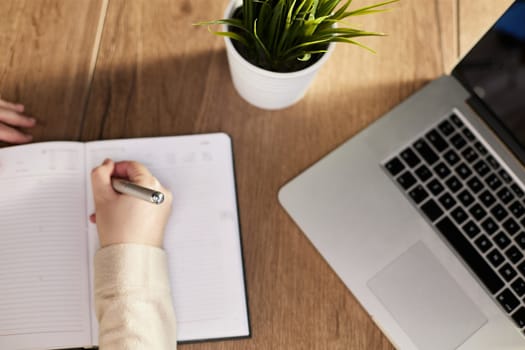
133	299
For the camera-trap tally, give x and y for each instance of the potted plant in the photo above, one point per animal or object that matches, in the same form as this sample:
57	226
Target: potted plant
275	47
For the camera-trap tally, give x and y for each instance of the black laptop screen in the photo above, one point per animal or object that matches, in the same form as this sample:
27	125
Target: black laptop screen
494	70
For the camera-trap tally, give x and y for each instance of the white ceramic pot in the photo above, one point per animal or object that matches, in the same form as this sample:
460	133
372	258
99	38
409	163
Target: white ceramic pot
266	89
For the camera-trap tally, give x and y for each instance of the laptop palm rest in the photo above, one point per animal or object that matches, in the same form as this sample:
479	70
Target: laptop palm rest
426	302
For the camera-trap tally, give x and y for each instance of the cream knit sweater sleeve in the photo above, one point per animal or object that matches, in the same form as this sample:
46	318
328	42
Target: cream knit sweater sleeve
132	298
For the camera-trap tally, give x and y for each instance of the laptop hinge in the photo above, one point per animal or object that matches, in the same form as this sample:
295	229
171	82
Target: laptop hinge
497	127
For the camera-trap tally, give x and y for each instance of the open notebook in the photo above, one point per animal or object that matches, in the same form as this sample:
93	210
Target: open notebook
47	243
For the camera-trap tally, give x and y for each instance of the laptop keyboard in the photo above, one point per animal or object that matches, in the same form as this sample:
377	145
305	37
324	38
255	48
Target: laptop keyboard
473	202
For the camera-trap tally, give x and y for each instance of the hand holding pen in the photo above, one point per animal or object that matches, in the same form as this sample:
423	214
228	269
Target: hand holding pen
146	194
123	218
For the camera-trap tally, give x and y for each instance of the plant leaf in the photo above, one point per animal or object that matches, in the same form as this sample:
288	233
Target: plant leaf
342	9
247	14
236	23
233	36
327	7
309	43
276	23
284	35
289	16
260	44
353	42
344	32
368	9
305	57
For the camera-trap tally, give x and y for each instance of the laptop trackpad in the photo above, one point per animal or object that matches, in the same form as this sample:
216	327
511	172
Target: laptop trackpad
426	302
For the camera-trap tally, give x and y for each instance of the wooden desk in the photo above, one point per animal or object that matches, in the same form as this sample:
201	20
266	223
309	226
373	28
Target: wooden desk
100	69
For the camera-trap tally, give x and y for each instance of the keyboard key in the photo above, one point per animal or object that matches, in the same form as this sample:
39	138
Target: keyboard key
432	210
470	255
437	141
435	187
453	184
471	229
463	171
505	195
514	254
518	286
425	151
457	122
418	194
502	240
517	209
508	300
468	134
495	258
481	168
499	212
475	185
394	166
481	149
517	190
519	317
521	268
493	182
446	127
459	215
465	198
487	198
483	243
406	180
492	162
423	173
447	201
451	157
511	226
477	212
505	176
458	141
508	272
520	239
410	157
442	170
489	226
469	154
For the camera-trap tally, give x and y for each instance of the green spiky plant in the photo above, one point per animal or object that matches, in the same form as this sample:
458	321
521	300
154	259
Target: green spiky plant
289	35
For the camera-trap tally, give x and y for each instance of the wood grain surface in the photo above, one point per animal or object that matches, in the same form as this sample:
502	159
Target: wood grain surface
156	74
475	18
47	51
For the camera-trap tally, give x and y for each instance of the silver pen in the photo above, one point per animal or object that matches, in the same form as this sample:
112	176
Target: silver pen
144	193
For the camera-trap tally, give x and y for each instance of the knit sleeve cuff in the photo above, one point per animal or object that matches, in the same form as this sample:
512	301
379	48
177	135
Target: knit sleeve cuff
129	265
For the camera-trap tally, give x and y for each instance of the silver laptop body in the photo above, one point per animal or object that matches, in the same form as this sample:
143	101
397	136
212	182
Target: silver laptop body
407	274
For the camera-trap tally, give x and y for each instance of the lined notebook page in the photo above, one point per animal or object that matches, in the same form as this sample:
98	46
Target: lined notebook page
202	237
43	252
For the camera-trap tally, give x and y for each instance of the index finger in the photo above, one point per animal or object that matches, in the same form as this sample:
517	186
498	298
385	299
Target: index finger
136	172
101	179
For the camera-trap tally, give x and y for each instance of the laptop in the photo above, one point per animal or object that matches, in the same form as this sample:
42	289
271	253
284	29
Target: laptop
422	214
